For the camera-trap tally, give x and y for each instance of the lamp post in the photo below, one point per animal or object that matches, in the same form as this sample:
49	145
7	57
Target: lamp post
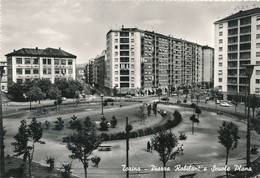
2	132
102	103
249	72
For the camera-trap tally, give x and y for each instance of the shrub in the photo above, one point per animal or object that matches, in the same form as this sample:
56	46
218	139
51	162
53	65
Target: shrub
113	121
104	137
50	160
140	132
46	125
103	124
109	100
74	123
67	170
59	124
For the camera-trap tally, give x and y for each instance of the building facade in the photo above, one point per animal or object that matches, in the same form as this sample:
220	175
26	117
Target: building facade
4	77
207	65
145	60
237	42
80	74
49	63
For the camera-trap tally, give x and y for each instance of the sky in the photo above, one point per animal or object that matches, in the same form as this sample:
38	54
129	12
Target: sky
80	27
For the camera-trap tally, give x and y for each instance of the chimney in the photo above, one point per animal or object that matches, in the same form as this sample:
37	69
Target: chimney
122	26
36	48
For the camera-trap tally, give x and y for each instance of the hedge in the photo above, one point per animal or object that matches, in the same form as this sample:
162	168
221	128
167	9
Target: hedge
142	132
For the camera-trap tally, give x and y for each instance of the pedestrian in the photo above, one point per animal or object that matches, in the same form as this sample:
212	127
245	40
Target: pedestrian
148	146
121	105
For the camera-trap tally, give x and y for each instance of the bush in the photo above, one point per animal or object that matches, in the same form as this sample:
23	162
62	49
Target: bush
50	160
59	124
113	121
182	137
104	137
46	125
109	100
103	124
67	170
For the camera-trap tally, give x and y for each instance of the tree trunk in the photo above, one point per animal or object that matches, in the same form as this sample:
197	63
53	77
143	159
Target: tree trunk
164	173
253	109
192	127
85	171
227	160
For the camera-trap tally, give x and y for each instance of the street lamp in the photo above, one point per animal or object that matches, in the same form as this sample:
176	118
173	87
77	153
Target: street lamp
2	132
249	72
102	103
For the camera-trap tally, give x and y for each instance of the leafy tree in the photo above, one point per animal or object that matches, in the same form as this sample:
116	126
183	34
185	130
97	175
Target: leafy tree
17	90
113	121
228	137
54	93
59	124
36	94
186	91
198	112
163	143
25	140
194	119
82	143
104	124
74	123
159	93
193	105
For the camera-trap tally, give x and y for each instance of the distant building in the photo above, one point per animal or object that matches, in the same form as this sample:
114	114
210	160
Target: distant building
207	65
138	59
237	42
49	63
80	74
4	77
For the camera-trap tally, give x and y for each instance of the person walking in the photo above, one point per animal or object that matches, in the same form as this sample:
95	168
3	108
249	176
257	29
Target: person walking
148	146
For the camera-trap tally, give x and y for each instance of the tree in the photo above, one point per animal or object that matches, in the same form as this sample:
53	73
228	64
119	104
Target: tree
103	124
198	112
255	103
197	98
193	105
193	119
74	122
25	140
163	143
113	121
115	91
228	137
159	93
36	94
59	124
82	143
186	91
54	93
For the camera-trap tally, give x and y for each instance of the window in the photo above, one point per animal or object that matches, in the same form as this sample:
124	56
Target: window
220	25
257	81
132	60
70	71
257	54
220	49
46	71
257	45
258	63
116	84
220	33
220	56
35	71
132	40
220	80
220	87
116	66
19	61
219	72
220	41
132	85
27	71
57	71
258	27
132	72
70	62
132	53
49	61
35	61
116	40
257	72
116	78
63	71
63	61
56	61
116	33
132	66
116	72
257	18
116	59
116	47
257	36
132	34
27	61
116	53
44	61
220	64
19	71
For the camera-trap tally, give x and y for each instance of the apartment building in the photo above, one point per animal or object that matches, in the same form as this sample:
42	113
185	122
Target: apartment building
4	77
98	73
237	42
49	63
207	65
80	73
138	59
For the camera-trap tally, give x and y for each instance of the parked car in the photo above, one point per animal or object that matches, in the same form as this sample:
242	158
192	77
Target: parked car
218	102
128	96
224	104
64	99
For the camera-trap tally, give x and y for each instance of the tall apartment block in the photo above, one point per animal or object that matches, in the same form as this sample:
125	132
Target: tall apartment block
99	71
138	59
49	63
207	65
237	42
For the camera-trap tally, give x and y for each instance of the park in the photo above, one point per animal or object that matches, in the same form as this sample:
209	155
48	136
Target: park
201	149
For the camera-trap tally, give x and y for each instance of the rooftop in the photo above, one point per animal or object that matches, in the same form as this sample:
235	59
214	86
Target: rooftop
240	14
35	52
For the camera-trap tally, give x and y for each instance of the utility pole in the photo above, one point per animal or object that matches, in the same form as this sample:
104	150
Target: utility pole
127	147
2	132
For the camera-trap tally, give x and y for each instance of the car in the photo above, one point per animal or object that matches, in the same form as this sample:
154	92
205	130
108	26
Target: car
174	94
128	96
63	99
224	104
218	102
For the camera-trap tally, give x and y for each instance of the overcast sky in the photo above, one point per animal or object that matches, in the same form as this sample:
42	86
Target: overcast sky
80	27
